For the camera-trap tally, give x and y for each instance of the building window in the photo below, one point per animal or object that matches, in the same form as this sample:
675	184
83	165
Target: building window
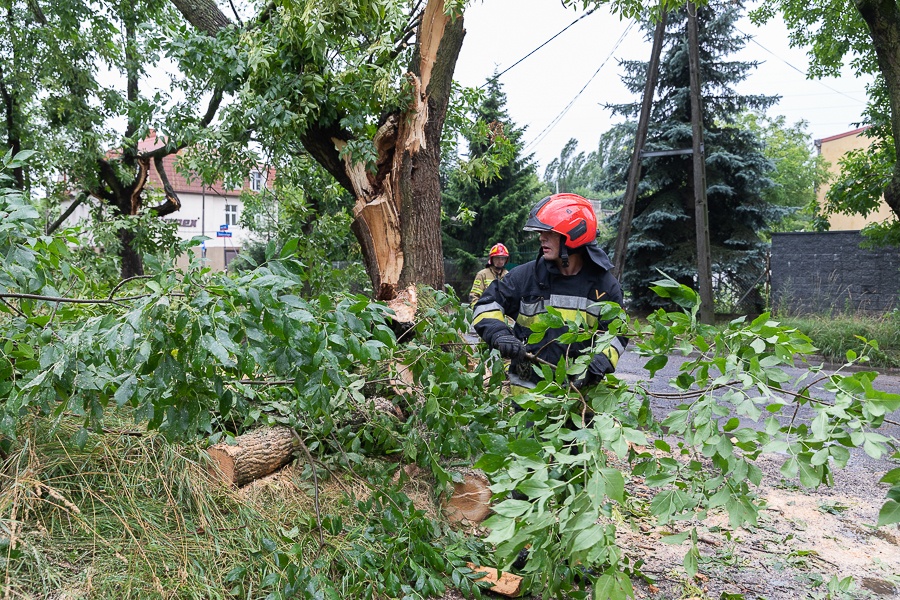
231	214
256	181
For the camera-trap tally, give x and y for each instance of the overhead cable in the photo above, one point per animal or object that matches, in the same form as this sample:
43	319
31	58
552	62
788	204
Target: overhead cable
540	137
497	76
801	71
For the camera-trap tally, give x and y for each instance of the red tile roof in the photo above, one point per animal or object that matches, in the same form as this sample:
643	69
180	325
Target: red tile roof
179	182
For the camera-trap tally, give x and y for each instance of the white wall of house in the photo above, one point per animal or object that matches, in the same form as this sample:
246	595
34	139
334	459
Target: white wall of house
208	214
218	218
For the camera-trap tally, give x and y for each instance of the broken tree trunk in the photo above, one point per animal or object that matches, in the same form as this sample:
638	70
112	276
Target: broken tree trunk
255	454
397	215
470	500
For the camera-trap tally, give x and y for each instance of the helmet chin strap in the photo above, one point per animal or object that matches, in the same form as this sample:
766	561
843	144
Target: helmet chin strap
563	252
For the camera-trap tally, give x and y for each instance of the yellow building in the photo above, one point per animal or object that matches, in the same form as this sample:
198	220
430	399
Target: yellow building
832	149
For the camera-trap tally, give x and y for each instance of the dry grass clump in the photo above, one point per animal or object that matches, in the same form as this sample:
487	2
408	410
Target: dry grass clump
134	516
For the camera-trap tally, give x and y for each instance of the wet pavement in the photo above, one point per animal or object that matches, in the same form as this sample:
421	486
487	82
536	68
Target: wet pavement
630	369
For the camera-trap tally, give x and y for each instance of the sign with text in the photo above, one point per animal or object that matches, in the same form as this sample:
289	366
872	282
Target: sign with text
223	227
223	234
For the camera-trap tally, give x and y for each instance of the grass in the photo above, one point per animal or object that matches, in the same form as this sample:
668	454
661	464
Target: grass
134	516
835	335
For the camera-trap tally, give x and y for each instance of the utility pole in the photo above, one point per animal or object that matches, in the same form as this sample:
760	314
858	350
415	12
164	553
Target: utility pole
634	172
701	213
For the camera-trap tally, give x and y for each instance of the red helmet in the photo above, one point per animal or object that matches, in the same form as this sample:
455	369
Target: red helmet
570	215
498	250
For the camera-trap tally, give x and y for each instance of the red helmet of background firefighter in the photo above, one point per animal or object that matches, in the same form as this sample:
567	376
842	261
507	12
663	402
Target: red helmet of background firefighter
494	270
572	274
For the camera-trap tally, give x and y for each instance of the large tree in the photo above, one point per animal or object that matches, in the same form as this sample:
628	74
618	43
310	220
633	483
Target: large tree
867	33
325	79
663	226
485	205
72	73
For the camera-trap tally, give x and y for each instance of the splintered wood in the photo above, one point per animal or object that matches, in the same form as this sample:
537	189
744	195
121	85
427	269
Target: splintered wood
506	585
405	305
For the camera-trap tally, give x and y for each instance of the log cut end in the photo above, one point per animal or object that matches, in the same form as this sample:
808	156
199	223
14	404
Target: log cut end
223	462
470	500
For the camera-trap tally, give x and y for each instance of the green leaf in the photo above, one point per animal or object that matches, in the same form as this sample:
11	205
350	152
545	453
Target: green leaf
690	562
502	528
588	538
490	462
525	447
892	476
676	538
612	585
125	391
512	508
656	363
810	475
615	484
889	513
289	248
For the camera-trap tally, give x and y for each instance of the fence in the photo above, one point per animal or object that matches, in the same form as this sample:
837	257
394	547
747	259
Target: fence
829	272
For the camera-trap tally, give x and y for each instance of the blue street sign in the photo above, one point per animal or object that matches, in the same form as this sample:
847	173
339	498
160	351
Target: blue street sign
223	227
223	234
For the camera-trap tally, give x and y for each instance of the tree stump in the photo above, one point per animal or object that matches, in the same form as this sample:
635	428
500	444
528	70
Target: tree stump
255	454
470	500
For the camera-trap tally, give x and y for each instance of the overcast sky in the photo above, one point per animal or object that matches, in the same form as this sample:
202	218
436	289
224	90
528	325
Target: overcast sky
500	32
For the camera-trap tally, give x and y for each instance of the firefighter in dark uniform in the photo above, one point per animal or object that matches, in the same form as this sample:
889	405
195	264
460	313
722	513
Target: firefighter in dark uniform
571	274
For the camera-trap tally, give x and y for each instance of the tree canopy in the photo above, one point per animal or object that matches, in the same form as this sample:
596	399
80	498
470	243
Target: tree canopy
865	33
797	169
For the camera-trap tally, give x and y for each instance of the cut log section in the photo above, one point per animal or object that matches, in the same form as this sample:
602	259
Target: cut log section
507	584
470	500
255	454
403	381
363	413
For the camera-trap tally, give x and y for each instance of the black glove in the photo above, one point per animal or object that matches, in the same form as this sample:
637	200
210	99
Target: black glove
509	346
598	368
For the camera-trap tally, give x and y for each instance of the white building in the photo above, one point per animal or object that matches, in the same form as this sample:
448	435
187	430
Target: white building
211	211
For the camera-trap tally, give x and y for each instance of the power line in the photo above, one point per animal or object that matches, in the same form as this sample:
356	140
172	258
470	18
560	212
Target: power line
540	137
497	76
801	71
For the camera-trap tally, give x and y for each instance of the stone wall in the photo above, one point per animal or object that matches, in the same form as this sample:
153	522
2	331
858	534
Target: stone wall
830	272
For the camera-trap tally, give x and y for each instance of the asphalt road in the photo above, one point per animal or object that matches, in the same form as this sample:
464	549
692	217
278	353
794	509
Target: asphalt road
630	368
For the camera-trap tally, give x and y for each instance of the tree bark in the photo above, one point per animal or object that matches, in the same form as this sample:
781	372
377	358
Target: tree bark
132	263
440	40
202	14
883	19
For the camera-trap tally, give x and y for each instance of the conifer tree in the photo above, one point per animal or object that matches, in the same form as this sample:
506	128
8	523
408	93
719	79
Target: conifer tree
663	230
478	213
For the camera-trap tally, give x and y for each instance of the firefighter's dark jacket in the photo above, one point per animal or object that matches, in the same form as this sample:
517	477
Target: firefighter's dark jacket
527	291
